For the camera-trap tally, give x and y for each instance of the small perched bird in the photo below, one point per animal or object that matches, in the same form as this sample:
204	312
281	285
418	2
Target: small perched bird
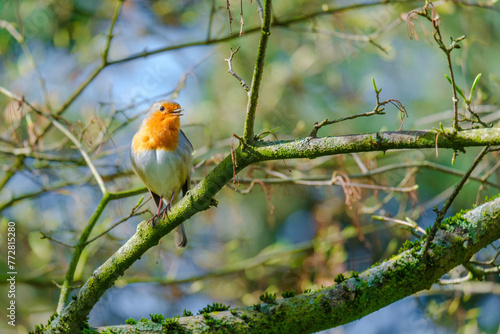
162	157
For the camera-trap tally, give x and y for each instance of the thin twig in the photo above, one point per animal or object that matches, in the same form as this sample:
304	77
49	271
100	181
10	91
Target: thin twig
378	110
49	237
410	223
19	37
490	262
453	281
241	17
210	20
39	192
182	81
354	37
250	188
408	177
276	23
442	213
283	179
18	162
488	5
233	73
335	181
434	18
491	171
67	133
479	272
230	17
104	63
260	10
132	214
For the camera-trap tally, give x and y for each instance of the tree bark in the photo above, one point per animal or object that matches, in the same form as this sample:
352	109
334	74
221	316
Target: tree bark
201	197
410	271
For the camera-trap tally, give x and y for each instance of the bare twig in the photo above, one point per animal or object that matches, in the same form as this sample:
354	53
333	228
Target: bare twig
490	262
42	191
133	212
276	23
408	177
408	222
323	180
488	5
453	281
250	188
233	73
442	213
211	20
49	237
18	162
241	17
182	81
360	163
67	133
104	63
334	180
19	37
378	110
230	17
355	37
260	10
434	18
479	272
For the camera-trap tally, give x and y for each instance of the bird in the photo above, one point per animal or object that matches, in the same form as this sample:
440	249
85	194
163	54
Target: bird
162	157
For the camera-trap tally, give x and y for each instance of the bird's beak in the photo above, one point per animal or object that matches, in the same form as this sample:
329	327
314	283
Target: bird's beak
177	112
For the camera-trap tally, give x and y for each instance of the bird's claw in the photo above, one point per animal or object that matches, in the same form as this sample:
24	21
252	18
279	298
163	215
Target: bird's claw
165	211
152	220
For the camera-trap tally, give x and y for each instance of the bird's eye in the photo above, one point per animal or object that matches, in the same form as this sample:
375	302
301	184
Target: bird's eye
162	108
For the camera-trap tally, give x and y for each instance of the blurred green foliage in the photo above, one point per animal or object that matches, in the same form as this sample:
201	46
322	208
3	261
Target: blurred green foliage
316	68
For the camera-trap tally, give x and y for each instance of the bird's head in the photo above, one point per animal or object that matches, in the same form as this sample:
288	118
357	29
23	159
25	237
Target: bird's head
164	115
166	109
160	129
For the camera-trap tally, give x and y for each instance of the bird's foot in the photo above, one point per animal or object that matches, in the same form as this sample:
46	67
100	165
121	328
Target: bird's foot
168	206
153	219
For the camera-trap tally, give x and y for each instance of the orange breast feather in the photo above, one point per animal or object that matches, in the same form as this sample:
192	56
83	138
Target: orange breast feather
159	132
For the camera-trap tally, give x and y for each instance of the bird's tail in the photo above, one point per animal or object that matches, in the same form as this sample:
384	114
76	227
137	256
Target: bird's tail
180	238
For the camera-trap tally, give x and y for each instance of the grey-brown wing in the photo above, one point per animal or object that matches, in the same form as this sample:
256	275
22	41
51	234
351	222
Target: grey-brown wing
191	145
156	198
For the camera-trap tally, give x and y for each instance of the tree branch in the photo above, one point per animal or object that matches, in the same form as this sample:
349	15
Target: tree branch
199	198
253	95
394	279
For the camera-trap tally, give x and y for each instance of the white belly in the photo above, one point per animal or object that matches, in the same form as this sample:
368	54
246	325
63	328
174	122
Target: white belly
162	171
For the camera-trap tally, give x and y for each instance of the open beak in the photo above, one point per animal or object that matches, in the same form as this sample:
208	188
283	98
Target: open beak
177	112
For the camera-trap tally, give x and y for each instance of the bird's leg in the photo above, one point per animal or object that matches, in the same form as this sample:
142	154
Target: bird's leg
152	220
169	205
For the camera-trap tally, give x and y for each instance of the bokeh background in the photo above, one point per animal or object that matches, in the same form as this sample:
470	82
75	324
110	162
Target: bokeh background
280	235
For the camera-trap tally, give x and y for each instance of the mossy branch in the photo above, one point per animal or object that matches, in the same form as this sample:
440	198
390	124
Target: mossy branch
84	241
199	198
403	275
